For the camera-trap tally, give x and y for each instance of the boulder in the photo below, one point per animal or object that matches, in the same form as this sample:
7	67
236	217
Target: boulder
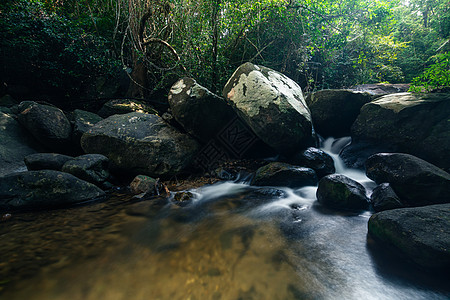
315	159
272	105
124	106
384	198
339	191
143	184
355	154
83	121
93	168
200	112
421	234
44	189
46	161
15	144
141	143
414	124
48	124
282	174
414	180
334	111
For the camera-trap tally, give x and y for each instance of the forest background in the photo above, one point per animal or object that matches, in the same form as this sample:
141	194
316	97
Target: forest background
58	47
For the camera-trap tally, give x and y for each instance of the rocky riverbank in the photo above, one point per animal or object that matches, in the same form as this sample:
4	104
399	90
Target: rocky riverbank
51	158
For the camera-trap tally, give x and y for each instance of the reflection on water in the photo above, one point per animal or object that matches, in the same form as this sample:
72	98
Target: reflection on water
248	243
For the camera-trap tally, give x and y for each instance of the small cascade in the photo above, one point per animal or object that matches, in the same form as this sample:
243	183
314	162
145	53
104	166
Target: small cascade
333	147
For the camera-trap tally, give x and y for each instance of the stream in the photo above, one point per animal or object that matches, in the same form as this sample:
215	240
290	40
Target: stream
234	241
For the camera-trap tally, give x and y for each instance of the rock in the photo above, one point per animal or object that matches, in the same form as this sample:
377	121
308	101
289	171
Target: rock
47	124
339	191
200	112
380	89
334	111
15	144
414	124
7	101
384	198
272	105
143	184
355	154
44	189
414	180
282	174
422	234
315	159
83	121
93	168
124	106
46	161
183	198
141	144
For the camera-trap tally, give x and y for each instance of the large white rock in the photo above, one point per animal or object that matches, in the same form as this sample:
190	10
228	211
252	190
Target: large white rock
272	105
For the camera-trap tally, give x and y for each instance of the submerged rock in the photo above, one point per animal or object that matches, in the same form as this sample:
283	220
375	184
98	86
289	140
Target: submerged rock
272	105
315	159
339	191
46	161
334	111
48	124
200	112
282	174
93	168
414	180
422	234
183	198
44	189
384	198
141	144
414	124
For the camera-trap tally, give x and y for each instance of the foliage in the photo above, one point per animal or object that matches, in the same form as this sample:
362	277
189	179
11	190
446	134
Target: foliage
435	76
318	43
50	51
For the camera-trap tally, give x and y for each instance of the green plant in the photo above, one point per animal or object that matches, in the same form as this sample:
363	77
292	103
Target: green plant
436	76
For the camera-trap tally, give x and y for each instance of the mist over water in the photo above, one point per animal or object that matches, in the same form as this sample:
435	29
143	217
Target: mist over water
237	241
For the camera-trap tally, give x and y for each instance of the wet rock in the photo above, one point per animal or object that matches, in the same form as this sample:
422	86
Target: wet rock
414	180
334	111
47	124
183	198
93	168
7	101
143	184
272	105
315	159
282	174
15	144
412	123
140	143
339	191
124	106
83	121
44	189
356	154
200	112
384	198
421	234
46	161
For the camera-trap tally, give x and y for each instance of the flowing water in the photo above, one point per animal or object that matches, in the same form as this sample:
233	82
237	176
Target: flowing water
234	241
